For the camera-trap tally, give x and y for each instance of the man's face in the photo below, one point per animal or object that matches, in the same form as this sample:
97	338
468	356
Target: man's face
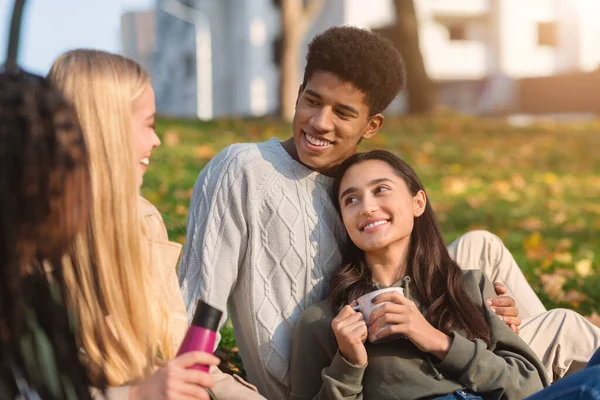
331	119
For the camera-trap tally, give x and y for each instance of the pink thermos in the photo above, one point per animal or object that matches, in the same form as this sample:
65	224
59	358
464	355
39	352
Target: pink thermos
202	334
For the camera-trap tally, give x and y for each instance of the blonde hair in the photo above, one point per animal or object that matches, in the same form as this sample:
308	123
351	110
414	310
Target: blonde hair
134	327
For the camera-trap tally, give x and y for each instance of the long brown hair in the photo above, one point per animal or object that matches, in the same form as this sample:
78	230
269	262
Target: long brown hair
435	277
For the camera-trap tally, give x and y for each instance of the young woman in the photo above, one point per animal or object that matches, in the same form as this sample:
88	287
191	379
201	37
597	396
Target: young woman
139	314
45	195
439	340
146	318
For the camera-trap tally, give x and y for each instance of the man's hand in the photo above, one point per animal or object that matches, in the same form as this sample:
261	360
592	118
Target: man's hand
504	306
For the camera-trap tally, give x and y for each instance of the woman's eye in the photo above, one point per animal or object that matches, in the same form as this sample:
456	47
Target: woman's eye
350	200
380	189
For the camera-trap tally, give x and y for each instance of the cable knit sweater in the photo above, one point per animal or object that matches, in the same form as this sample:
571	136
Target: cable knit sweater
261	240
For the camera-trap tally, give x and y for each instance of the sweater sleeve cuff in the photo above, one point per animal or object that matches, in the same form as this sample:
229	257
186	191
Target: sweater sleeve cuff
461	353
343	371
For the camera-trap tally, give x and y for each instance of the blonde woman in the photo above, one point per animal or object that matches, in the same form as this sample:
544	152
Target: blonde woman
133	260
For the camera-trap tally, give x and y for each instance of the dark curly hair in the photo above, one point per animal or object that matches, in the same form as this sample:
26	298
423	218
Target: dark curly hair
45	192
365	59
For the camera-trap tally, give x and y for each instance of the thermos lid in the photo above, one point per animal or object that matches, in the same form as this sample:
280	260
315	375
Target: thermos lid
207	316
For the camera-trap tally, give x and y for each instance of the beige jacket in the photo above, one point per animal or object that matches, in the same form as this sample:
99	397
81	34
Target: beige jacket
165	255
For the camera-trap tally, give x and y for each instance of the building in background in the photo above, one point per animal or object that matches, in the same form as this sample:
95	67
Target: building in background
477	51
138	37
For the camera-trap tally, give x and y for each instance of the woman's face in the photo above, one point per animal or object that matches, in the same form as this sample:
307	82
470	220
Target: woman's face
377	208
144	136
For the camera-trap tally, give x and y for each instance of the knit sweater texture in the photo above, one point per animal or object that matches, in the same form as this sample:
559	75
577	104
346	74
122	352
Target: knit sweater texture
262	241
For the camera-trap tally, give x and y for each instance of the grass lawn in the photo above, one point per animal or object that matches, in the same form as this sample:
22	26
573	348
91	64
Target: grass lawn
536	187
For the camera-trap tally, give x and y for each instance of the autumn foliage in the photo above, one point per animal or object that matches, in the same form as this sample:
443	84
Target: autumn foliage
537	187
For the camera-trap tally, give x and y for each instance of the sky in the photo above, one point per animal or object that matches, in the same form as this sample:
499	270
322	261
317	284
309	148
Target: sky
50	27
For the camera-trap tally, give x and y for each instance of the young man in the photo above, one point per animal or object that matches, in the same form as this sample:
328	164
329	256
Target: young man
263	235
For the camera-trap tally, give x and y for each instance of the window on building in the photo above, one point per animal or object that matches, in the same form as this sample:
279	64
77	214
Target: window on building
547	34
457	32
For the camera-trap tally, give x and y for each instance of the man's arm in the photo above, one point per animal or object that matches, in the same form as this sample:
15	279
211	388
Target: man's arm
216	234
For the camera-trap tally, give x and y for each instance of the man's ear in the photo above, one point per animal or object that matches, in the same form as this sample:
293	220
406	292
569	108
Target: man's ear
300	90
373	126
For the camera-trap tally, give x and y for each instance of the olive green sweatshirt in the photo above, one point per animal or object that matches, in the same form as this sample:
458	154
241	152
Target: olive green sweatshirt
508	369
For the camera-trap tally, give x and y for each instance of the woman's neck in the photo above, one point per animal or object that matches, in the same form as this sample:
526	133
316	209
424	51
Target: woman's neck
388	265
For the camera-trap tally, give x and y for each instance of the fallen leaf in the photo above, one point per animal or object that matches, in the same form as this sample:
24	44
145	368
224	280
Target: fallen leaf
559	218
564	258
573	296
594	319
564	244
501	186
546	264
171	139
532	224
549	178
533	241
518	181
181	209
567	273
204	152
553	285
584	267
455	185
535	248
475	202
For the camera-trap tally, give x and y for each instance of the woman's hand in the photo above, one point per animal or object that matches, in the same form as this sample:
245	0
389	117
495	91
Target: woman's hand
402	317
175	381
350	332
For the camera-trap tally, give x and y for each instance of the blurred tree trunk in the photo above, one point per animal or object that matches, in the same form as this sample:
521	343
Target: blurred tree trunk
421	90
296	19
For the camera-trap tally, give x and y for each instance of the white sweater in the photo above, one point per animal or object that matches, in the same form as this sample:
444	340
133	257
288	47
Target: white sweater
262	240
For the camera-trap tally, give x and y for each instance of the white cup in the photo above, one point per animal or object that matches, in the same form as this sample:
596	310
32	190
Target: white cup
366	306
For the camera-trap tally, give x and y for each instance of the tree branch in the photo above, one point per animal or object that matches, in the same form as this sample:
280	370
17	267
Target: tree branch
311	12
14	35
